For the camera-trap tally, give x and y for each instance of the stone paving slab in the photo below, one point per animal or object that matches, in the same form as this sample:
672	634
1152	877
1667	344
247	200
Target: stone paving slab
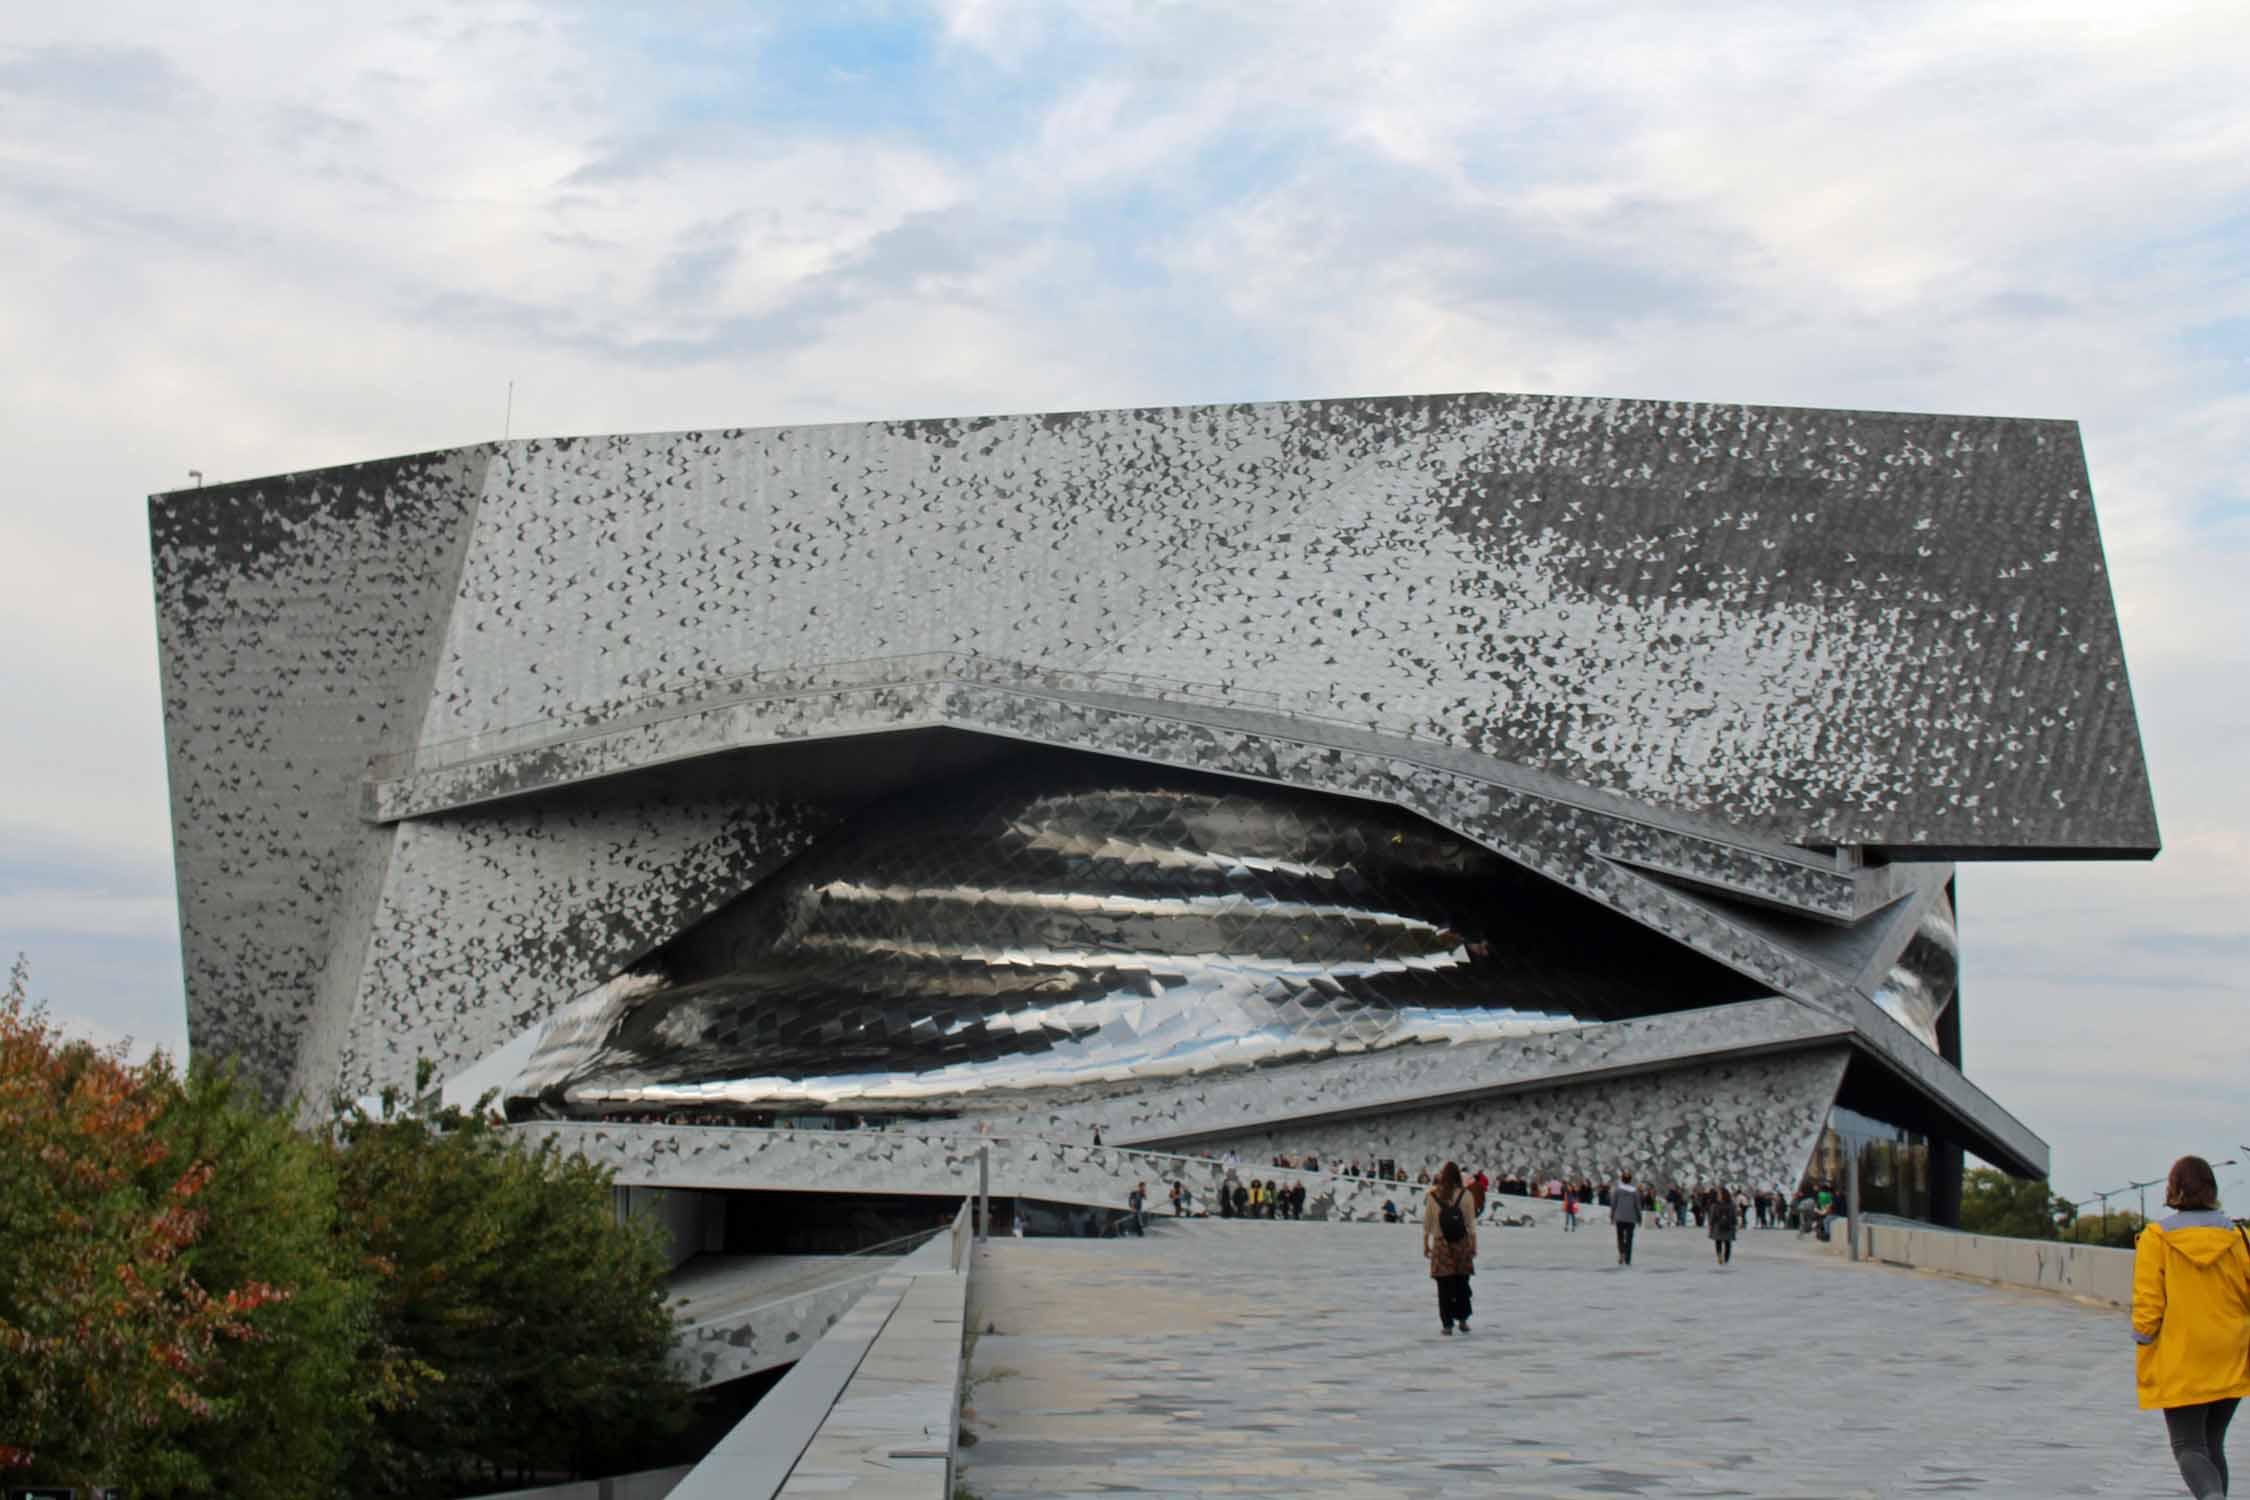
1219	1358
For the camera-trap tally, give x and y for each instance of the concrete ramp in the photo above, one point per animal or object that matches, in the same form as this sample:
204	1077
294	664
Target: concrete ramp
740	1315
873	1409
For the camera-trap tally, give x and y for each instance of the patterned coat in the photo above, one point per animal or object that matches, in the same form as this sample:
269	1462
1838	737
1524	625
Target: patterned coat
1448	1258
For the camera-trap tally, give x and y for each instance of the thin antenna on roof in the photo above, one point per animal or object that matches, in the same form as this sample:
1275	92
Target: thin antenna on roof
508	422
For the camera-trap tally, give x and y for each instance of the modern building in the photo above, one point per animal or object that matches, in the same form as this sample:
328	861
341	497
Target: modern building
1557	784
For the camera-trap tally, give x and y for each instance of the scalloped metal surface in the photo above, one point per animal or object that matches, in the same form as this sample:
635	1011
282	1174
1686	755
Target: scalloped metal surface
1052	923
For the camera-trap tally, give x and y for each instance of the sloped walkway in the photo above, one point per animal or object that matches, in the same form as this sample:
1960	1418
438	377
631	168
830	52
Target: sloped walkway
740	1314
1234	1359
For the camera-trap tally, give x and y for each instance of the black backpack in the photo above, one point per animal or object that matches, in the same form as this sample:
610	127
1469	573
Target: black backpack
1450	1222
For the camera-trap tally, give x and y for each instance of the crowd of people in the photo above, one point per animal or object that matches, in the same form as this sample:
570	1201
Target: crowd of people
1675	1205
1721	1210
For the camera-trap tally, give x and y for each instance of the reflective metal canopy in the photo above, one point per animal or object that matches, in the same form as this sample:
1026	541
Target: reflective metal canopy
1045	924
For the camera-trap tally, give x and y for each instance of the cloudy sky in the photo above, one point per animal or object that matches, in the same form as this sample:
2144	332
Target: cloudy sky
277	237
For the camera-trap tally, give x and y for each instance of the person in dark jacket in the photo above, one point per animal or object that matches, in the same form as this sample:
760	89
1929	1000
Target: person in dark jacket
1720	1219
1625	1213
1452	1261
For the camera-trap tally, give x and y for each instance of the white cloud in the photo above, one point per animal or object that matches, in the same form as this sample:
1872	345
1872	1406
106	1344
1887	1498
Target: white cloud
279	239
86	913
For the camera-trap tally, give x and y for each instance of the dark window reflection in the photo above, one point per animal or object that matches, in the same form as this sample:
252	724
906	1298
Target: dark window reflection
1894	1163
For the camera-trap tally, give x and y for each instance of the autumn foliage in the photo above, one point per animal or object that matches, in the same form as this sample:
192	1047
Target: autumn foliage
108	1337
199	1298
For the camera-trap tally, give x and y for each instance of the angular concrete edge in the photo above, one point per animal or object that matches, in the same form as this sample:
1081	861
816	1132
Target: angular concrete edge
1751	1117
873	1409
1171	1112
764	1337
960	693
745	1159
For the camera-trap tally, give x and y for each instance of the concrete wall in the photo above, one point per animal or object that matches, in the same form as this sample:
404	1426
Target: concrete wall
2094	1271
764	1337
693	1222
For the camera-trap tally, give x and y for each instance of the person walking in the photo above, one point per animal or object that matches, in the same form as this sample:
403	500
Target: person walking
1479	1185
1569	1209
1137	1200
1625	1213
1449	1243
2191	1323
1722	1218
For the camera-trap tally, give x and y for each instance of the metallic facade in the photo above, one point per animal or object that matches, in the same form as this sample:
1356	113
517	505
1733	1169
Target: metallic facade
1048	923
463	742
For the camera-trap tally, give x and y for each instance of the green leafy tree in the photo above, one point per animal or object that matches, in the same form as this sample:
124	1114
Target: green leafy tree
295	1401
521	1331
1992	1202
2118	1229
197	1298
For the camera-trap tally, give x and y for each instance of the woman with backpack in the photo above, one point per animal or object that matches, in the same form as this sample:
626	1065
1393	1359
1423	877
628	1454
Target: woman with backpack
2191	1321
1721	1219
1449	1242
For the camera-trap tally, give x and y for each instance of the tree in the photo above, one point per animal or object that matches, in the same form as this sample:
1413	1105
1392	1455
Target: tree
520	1328
2118	1228
197	1298
110	1342
1992	1202
295	1400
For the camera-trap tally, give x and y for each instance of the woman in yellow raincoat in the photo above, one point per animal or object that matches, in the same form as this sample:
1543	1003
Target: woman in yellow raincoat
2191	1319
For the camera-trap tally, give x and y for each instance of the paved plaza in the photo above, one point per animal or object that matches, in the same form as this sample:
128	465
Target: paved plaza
1305	1359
